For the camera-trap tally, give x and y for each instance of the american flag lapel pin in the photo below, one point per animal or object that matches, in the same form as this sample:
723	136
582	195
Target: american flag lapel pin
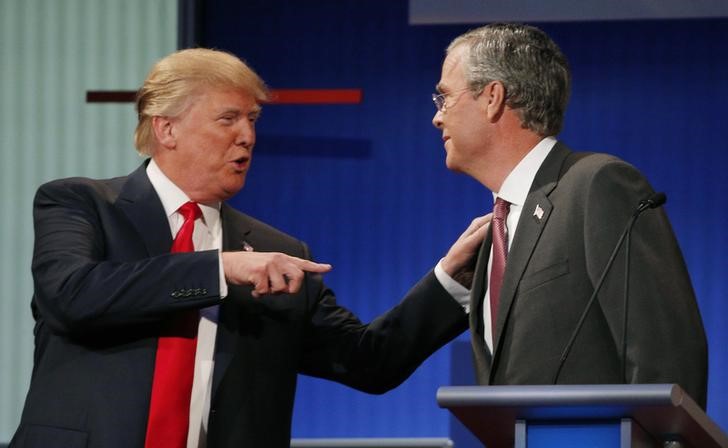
247	247
538	212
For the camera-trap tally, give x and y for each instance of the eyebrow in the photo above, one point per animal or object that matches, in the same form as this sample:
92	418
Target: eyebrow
255	111
236	111
439	87
229	110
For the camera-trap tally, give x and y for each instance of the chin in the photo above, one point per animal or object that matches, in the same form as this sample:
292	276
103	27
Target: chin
233	189
452	165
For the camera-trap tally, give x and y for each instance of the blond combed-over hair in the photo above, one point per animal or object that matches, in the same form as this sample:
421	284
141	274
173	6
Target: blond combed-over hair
174	81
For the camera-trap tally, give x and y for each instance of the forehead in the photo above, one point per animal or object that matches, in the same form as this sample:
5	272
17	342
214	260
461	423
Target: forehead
453	73
226	98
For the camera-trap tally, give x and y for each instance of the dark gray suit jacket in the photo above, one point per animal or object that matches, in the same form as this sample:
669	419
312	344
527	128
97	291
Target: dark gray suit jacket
104	280
553	265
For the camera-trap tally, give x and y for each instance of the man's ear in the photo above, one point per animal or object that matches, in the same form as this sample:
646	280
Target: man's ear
163	129
494	94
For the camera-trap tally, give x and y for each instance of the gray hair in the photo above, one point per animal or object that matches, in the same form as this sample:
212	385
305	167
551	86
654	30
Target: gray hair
530	65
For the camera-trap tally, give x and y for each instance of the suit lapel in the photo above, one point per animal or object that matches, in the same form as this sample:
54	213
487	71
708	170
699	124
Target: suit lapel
140	203
527	236
235	230
481	354
534	216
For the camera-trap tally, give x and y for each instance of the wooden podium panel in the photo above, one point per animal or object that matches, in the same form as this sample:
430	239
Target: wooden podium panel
500	416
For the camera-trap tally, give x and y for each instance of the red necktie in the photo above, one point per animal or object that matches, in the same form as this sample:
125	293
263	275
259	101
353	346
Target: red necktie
169	409
500	253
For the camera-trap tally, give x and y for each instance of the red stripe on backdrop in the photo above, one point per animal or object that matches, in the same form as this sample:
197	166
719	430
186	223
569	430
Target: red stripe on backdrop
316	96
278	96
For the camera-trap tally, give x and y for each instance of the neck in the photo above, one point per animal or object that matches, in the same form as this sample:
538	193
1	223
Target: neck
184	180
509	150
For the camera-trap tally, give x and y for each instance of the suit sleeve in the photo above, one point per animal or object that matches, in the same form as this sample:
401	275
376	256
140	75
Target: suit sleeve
81	285
378	356
665	336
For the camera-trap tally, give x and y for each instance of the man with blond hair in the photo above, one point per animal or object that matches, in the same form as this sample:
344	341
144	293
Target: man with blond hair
165	318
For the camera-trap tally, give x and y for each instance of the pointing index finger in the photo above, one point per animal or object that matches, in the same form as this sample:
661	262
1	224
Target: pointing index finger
311	266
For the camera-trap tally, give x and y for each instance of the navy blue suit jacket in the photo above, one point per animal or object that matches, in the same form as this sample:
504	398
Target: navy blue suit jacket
104	279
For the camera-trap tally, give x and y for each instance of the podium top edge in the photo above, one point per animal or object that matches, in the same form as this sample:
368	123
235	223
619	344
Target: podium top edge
659	408
561	395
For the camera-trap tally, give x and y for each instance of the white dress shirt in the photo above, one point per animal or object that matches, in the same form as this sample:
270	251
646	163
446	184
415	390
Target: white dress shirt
207	235
514	189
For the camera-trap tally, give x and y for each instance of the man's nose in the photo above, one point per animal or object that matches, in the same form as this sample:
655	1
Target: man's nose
246	135
437	119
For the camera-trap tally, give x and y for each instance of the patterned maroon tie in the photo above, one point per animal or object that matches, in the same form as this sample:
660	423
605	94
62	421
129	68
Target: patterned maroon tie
169	409
500	253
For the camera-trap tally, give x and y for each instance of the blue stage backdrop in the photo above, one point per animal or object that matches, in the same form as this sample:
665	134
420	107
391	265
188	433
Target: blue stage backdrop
365	184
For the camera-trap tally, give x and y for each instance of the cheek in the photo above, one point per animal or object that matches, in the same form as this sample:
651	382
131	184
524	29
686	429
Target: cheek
465	137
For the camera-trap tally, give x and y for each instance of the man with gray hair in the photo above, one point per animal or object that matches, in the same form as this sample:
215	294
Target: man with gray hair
156	323
558	216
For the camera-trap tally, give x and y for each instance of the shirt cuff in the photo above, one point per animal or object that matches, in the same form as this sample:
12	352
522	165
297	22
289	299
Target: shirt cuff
223	283
458	292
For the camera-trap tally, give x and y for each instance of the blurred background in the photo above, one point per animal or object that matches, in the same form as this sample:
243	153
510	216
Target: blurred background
364	182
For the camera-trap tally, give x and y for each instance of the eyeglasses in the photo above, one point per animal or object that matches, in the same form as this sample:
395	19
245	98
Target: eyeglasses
440	99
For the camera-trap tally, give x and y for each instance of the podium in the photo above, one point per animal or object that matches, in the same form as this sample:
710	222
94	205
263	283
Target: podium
597	416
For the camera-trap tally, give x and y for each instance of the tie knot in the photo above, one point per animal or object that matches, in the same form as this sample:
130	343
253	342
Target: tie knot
500	209
190	210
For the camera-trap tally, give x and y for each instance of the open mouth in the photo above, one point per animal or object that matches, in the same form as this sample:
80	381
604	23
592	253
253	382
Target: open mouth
240	164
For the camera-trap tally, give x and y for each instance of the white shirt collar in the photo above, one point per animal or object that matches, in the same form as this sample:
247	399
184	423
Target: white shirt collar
517	184
173	197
